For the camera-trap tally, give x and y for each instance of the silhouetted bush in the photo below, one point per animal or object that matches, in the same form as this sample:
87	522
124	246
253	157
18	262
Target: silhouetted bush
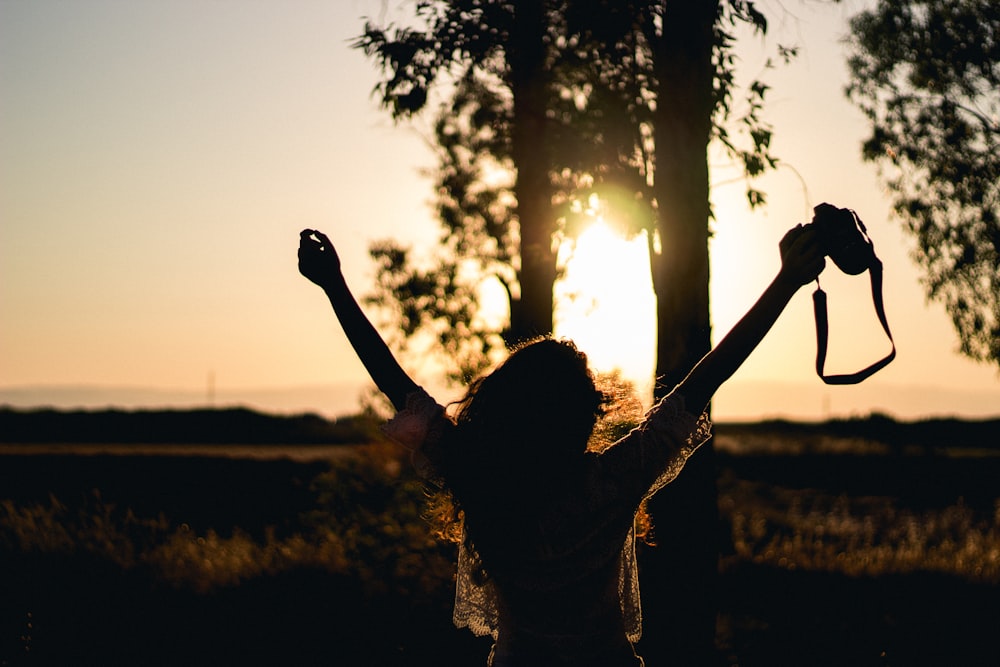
206	426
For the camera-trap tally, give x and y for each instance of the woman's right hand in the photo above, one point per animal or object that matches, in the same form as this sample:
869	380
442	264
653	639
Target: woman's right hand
318	260
802	256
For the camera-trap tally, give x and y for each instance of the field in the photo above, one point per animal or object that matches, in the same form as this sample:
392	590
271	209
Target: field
838	551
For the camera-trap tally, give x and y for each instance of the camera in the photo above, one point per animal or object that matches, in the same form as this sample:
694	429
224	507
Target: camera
844	238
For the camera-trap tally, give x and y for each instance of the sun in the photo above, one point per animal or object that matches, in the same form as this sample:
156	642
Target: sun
605	303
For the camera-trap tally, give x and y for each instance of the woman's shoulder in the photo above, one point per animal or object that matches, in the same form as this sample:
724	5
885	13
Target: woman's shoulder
671	418
655	450
419	427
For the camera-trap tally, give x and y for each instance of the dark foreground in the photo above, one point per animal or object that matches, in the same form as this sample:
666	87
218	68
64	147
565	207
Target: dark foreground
61	605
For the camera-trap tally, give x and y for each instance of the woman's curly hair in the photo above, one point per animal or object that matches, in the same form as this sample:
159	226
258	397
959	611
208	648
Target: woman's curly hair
520	432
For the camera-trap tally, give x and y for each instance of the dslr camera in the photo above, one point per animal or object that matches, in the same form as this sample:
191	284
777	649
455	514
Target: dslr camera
845	241
844	238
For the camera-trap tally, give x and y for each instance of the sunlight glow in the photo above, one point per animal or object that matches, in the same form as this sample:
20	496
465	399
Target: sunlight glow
151	207
605	303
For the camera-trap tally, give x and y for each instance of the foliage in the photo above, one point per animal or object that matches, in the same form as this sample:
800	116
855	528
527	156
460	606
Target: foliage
366	525
859	536
594	96
375	505
176	555
927	76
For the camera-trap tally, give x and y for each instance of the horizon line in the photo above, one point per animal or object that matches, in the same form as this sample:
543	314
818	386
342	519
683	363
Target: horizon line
738	400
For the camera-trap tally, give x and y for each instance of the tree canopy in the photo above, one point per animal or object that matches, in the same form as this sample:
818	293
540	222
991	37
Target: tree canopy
926	73
550	116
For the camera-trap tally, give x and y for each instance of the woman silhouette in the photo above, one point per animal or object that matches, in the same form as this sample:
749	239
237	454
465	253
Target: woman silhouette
546	560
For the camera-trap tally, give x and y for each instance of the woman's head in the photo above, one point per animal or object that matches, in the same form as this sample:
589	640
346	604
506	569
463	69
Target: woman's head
521	433
541	402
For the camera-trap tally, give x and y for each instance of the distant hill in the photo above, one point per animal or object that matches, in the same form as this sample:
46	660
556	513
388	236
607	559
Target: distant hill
736	400
245	426
328	400
874	434
200	426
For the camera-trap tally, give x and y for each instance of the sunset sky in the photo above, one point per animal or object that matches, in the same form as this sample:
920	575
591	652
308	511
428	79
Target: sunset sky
158	159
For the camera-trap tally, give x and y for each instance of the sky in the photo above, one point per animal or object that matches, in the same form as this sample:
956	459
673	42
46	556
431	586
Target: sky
157	161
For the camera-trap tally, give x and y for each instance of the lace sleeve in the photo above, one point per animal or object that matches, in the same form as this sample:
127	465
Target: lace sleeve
645	461
476	605
654	453
676	432
419	427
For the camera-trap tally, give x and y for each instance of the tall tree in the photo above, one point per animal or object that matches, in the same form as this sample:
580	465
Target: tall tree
667	68
623	97
490	40
601	103
926	73
687	514
693	74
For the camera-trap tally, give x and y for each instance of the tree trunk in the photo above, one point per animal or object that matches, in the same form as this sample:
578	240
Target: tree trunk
680	573
529	78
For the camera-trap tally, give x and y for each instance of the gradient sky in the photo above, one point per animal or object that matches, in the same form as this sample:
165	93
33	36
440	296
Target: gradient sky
157	161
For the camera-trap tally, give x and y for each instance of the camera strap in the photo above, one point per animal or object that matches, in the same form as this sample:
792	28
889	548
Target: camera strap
822	330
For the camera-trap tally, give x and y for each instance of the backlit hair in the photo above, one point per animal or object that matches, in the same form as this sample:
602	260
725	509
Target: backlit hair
521	433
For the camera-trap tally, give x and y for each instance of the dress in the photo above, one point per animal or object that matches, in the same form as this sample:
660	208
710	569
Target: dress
573	598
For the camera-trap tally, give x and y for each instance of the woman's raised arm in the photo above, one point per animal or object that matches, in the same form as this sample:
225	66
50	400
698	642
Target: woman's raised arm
802	260
318	261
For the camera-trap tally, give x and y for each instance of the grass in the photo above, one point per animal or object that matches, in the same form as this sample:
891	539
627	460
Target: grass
295	564
869	536
366	515
364	523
